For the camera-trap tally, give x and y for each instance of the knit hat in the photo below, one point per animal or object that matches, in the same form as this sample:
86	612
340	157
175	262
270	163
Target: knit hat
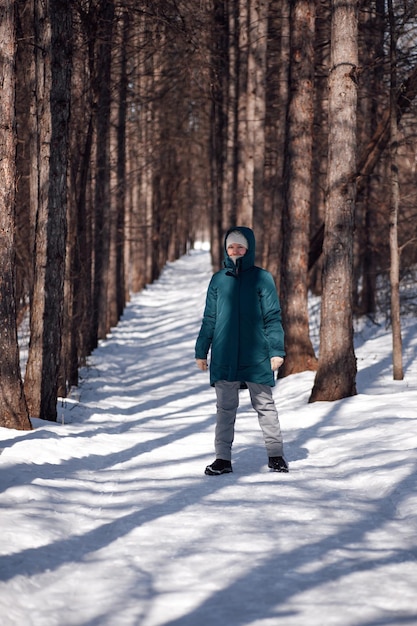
236	237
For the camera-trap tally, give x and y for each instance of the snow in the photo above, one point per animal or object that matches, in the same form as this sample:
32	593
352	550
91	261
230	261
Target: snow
107	518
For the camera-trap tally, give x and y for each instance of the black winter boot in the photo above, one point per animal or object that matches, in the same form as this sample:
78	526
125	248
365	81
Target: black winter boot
278	464
220	466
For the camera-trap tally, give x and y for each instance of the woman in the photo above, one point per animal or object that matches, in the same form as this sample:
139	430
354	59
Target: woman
242	327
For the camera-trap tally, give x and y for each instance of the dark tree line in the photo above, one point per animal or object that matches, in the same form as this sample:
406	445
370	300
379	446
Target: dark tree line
131	129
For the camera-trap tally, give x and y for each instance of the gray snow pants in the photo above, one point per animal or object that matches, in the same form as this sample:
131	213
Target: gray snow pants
227	403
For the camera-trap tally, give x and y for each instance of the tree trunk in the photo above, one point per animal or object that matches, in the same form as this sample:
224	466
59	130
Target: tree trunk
228	45
278	52
40	156
320	133
53	79
336	374
102	181
298	168
139	149
372	103
13	409
398	373
218	129
121	170
255	158
244	207
25	222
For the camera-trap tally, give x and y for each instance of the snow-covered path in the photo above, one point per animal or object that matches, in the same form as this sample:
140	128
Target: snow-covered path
107	518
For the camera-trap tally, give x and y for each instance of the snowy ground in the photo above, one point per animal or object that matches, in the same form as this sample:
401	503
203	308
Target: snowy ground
107	518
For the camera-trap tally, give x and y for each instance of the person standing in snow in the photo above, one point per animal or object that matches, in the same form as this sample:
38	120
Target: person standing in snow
242	327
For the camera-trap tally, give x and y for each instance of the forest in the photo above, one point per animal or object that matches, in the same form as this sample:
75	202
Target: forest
129	130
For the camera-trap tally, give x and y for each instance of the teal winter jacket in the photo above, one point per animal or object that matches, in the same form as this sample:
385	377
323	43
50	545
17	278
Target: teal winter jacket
242	320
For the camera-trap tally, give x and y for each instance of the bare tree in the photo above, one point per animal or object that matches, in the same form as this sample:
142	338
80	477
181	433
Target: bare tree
256	101
395	203
140	163
372	102
116	270
244	208
253	31
369	157
276	99
13	409
120	273
298	181
336	374
53	79
224	50
102	172
25	207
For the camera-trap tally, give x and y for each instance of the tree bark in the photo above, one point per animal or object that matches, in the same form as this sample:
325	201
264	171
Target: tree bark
255	159
244	207
25	222
398	373
336	374
218	129
121	169
276	95
229	84
298	176
13	408
372	105
53	74
80	238
102	181
140	151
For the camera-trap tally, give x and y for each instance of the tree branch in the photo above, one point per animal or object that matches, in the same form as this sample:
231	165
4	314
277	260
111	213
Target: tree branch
407	91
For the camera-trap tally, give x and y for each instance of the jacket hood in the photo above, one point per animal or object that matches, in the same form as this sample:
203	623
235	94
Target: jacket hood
248	260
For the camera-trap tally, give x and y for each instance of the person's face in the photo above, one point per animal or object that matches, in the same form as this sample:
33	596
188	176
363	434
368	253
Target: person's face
236	249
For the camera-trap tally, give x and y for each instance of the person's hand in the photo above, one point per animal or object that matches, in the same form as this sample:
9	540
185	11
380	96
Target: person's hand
202	364
276	362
